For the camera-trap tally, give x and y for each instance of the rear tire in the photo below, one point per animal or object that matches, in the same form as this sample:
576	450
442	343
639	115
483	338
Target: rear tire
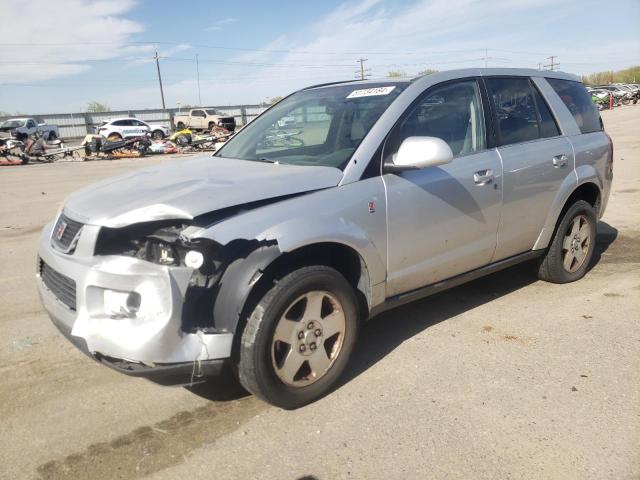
52	136
571	249
180	126
298	338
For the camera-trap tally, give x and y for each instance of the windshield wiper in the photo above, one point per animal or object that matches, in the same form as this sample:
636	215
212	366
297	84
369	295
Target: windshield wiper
266	160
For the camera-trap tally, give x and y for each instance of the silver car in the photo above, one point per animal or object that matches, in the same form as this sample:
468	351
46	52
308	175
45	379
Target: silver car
269	255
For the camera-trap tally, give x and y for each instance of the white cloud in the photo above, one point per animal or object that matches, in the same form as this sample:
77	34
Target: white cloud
58	39
439	34
219	25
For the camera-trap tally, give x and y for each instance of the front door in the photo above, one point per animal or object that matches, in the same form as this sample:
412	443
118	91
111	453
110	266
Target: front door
443	221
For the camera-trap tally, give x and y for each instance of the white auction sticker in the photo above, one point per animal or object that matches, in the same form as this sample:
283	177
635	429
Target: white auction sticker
371	92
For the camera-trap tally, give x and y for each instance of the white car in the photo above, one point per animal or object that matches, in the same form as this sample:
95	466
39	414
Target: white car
118	128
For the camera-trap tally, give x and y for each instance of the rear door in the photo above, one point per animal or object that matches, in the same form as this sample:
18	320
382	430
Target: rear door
442	221
536	159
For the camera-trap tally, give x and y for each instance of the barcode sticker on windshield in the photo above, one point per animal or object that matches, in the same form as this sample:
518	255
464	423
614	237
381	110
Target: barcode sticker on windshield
371	92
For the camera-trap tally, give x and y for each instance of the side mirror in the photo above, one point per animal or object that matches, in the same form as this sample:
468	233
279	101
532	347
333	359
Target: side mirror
420	152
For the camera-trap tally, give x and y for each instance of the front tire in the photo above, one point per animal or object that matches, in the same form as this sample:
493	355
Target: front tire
157	135
571	249
298	339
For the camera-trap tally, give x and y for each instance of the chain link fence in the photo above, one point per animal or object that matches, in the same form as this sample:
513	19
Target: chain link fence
77	125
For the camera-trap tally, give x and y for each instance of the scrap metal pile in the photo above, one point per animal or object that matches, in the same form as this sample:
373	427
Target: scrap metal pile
35	149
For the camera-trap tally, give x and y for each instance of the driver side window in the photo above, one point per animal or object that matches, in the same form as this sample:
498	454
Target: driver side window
452	112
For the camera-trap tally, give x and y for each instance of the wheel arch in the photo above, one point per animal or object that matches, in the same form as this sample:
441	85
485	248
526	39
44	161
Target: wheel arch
587	190
247	279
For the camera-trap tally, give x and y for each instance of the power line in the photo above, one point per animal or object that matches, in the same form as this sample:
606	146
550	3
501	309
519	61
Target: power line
220	47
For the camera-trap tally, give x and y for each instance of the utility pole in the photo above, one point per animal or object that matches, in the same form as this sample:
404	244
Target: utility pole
552	63
160	79
198	73
362	73
539	66
486	57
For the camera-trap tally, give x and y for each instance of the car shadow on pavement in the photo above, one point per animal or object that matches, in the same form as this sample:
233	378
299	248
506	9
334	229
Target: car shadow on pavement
381	335
221	388
605	237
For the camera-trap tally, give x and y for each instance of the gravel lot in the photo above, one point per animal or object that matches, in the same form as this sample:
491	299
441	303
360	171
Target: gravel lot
506	377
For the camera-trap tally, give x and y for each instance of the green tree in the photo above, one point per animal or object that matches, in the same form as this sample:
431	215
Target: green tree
396	74
427	71
97	107
628	75
275	99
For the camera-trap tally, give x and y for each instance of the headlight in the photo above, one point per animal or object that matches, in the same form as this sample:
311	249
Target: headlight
160	243
159	252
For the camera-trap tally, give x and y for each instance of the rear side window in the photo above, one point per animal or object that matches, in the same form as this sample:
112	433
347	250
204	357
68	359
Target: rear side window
548	126
578	101
522	113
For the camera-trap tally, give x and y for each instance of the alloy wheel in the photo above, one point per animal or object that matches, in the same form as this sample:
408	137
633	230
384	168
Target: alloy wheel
308	338
576	244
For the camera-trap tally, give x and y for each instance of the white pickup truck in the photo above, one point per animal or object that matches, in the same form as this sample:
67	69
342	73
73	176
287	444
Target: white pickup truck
204	119
23	127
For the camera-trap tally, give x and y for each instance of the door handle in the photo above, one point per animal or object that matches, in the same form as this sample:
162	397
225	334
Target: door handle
560	161
482	177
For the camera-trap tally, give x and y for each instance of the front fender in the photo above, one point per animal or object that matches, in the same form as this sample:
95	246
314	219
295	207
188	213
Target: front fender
353	215
297	233
242	274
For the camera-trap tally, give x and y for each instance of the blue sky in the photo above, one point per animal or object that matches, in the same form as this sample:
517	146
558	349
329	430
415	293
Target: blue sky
57	59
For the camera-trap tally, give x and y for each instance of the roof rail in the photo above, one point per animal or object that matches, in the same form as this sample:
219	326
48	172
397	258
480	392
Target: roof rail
331	83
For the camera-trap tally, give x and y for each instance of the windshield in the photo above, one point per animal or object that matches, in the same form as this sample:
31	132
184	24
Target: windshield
12	123
319	127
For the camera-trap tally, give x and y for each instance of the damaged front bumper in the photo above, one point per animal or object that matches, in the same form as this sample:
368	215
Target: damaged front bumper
82	294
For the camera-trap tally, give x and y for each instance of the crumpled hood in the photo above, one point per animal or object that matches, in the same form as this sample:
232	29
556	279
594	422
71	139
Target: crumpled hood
186	189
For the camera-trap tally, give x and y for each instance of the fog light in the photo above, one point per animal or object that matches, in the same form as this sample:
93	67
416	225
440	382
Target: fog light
121	304
193	259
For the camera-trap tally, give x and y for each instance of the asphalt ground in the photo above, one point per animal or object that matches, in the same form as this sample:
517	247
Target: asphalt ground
505	377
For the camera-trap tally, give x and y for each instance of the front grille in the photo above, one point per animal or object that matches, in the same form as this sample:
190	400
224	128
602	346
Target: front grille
63	287
65	232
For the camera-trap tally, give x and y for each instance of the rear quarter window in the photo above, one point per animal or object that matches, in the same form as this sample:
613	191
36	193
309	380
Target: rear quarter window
578	101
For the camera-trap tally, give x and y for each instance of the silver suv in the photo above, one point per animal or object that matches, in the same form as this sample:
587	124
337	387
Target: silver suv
339	202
